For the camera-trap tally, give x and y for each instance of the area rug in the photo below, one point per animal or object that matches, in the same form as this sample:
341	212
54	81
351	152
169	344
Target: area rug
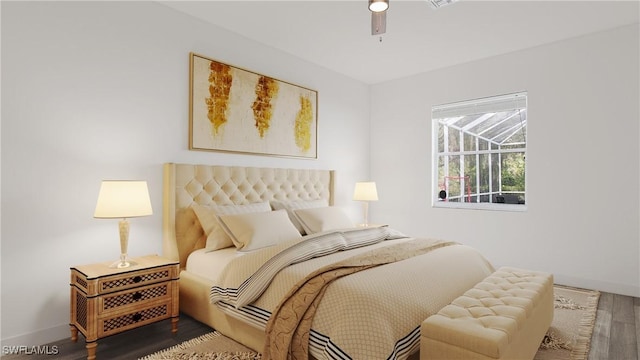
211	346
568	337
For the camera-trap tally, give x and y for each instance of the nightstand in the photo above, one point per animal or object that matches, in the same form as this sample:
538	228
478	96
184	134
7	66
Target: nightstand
106	301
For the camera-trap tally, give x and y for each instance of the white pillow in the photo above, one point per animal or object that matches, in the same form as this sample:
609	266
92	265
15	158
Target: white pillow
290	206
258	230
323	219
217	238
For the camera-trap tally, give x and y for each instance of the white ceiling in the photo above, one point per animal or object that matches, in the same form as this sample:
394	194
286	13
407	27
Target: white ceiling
337	34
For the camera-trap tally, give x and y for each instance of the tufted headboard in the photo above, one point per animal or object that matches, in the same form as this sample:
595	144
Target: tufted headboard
187	184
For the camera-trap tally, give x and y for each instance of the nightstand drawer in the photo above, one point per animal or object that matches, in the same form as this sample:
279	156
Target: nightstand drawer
137	296
133	319
139	278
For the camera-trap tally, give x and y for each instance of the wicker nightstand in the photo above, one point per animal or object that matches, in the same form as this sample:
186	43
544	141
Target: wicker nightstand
106	301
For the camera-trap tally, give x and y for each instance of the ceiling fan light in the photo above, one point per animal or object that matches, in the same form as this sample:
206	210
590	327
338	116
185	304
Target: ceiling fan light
378	5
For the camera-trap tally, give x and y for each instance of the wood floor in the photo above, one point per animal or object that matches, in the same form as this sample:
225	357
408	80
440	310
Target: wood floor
129	345
616	336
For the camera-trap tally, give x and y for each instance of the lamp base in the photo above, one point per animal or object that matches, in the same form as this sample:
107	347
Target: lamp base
123	227
122	264
365	210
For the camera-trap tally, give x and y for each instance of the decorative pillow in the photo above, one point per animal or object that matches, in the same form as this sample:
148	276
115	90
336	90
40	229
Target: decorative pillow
258	230
290	206
217	238
323	219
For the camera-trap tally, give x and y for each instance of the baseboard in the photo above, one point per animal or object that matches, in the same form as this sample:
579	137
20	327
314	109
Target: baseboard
614	288
40	337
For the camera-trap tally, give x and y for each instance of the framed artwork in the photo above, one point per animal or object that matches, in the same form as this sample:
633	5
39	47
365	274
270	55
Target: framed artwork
236	110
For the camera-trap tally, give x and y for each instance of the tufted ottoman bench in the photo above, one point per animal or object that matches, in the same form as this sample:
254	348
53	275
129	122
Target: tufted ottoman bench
505	316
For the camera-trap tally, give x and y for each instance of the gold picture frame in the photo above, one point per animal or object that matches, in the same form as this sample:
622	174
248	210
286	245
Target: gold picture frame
236	110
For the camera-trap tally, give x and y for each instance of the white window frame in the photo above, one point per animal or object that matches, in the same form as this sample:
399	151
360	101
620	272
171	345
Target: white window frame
477	106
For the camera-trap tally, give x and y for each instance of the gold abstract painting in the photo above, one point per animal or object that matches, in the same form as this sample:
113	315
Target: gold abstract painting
236	110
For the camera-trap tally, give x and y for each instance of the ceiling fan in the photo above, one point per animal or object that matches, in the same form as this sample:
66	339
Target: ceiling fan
379	8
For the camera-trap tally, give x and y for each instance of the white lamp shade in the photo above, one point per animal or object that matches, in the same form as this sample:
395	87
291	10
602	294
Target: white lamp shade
365	191
123	199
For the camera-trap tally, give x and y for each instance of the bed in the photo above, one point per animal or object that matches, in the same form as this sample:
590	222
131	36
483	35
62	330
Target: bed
372	287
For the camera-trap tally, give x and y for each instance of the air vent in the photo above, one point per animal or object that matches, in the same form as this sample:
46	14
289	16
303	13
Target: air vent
440	3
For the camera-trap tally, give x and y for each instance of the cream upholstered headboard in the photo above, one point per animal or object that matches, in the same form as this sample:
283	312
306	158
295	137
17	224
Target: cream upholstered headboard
188	184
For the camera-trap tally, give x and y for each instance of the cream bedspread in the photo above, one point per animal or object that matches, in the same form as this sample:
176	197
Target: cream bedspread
372	314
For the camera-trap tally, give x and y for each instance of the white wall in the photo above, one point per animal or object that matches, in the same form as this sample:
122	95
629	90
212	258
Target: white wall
583	159
97	90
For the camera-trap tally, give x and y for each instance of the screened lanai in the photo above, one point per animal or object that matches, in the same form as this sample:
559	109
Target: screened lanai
481	150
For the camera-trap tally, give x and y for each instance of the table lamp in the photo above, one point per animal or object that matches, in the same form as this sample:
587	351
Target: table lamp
365	192
123	199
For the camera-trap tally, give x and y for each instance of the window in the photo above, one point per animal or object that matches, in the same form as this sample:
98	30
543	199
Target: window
479	153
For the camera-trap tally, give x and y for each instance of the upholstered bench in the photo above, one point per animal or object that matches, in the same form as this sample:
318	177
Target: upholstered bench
503	317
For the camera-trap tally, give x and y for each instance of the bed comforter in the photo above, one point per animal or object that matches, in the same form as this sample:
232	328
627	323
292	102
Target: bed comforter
371	314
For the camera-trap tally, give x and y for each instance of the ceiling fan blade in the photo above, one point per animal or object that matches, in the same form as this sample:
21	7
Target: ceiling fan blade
378	22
